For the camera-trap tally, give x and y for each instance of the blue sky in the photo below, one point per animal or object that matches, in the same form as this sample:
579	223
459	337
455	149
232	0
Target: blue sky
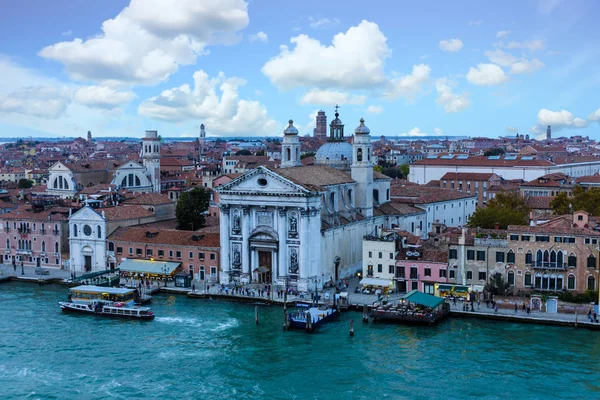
244	68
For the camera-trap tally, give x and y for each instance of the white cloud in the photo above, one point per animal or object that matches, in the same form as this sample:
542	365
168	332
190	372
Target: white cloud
67	33
437	131
408	86
259	37
374	109
595	116
451	102
451	45
323	23
37	101
149	39
331	97
223	112
531	45
559	119
501	34
486	75
526	67
354	60
500	57
414	132
101	97
475	22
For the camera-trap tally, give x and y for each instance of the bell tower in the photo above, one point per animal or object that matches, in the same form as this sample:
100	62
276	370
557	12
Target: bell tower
362	169
290	147
151	158
202	141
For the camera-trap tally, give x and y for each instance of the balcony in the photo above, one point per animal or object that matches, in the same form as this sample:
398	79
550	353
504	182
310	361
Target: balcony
549	265
42	231
55	232
24	231
23	252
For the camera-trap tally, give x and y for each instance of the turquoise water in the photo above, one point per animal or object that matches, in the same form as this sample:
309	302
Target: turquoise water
202	349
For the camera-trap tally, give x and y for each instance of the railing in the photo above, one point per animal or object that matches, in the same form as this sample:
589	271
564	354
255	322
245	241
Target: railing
55	232
549	265
24	231
24	252
491	242
42	231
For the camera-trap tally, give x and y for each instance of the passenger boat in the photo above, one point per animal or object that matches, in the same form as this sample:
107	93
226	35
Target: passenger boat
107	309
309	317
112	302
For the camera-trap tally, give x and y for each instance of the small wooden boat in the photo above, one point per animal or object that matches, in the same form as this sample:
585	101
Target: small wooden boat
310	318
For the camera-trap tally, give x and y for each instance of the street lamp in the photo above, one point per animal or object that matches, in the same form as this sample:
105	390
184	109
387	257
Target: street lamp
165	269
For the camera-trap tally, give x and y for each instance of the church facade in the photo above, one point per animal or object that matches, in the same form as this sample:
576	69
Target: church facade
145	177
302	226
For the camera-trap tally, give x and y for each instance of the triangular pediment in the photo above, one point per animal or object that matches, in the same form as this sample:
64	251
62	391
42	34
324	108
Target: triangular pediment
86	214
131	165
58	167
263	181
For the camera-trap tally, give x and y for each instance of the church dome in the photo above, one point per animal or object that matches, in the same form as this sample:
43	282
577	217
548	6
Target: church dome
291	129
335	154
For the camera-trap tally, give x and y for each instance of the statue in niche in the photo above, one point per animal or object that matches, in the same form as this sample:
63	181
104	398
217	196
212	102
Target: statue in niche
293	233
293	269
236	223
236	258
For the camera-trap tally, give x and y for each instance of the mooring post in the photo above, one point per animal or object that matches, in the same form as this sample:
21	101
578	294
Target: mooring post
256	314
351	327
576	315
285	321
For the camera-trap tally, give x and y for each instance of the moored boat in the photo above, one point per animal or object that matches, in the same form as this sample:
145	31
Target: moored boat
310	318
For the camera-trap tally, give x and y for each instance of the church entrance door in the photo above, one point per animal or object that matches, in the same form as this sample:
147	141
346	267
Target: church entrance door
88	263
265	265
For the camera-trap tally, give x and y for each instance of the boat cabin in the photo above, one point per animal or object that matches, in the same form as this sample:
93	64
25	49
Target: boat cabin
91	293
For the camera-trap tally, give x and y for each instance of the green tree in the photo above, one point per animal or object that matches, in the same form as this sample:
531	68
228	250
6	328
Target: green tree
494	151
393	172
25	183
496	285
260	153
243	153
378	168
505	209
405	169
561	204
191	207
307	154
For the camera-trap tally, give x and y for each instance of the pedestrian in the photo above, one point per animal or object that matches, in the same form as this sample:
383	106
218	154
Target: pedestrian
516	308
595	319
14	265
496	308
590	315
193	287
528	310
524	307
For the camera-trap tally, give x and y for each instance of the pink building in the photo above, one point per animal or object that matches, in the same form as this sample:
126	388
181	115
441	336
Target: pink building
419	275
34	238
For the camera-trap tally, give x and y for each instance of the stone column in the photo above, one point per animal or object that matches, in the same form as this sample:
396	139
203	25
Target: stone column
245	242
305	267
282	251
224	240
314	242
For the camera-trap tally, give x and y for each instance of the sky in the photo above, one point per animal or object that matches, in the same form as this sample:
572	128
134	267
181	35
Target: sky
244	68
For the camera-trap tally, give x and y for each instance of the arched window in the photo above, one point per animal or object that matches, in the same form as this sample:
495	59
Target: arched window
511	278
553	257
288	154
43	246
99	232
130	179
572	261
527	278
591	283
75	230
368	154
559	282
539	257
56	247
571	282
559	259
55	184
34	226
7	243
66	183
510	258
359	154
350	196
387	194
124	182
529	257
111	246
137	181
376	196
591	261
332	200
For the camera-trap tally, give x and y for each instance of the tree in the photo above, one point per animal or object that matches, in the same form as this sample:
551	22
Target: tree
561	204
393	172
260	153
496	285
191	207
405	169
307	154
25	183
505	209
494	151
378	168
243	153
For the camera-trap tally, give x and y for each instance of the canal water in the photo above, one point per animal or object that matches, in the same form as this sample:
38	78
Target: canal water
203	349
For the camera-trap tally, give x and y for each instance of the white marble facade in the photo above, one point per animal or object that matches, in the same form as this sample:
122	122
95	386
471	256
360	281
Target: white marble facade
87	240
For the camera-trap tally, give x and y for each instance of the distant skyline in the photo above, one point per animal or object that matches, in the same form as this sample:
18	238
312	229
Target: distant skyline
431	68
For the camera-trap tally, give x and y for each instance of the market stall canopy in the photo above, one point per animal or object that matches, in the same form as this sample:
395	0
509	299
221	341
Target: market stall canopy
149	267
422	299
452	288
375	282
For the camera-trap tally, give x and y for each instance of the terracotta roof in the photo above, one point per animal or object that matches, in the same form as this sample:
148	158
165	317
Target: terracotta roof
485	161
423	195
124	212
588	179
395	208
539	202
379	175
98	188
25	213
147	199
562	224
575	159
88	166
171	237
315	176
